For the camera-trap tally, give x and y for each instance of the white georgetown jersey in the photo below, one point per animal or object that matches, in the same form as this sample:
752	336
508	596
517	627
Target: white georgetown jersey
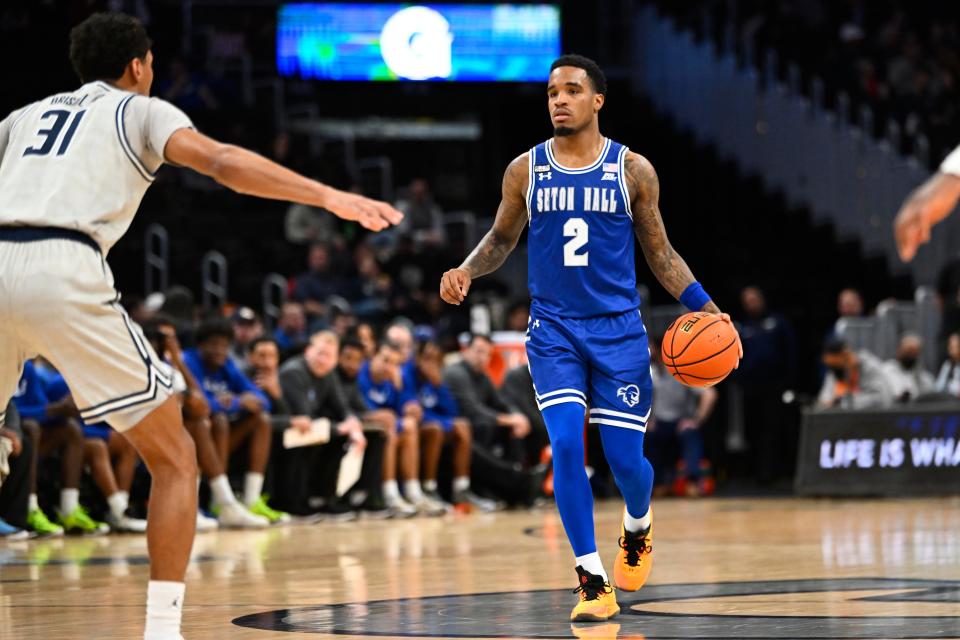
83	160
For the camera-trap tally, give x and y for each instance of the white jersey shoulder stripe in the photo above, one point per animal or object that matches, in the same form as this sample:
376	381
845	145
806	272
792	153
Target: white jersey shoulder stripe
125	143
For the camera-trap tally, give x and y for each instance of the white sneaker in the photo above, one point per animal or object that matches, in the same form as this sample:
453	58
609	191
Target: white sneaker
431	506
400	508
205	523
235	515
126	524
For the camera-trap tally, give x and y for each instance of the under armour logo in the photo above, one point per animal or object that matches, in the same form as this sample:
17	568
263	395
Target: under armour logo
545	176
536	324
630	395
177	602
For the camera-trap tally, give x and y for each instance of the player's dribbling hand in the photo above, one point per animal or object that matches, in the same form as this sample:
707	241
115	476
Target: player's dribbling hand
726	318
371	214
911	229
455	285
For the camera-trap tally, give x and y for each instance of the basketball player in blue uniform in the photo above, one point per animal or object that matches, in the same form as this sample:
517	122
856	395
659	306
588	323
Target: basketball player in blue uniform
585	197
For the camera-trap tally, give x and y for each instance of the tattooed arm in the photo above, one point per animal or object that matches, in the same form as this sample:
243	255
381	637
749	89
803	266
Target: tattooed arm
499	241
666	264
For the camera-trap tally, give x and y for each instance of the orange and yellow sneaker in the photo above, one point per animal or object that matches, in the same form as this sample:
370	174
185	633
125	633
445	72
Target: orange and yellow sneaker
598	601
635	558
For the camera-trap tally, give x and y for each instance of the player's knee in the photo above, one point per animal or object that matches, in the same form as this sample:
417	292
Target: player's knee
95	449
461	430
173	456
568	448
219	425
72	432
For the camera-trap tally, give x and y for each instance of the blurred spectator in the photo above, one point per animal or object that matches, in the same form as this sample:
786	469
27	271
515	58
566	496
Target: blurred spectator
908	378
422	217
235	401
316	285
767	370
948	380
291	331
380	460
517	391
501	432
377	380
371	294
309	225
855	379
494	421
400	335
246	328
312	391
679	412
518	316
54	426
442	421
188	90
17	451
849	304
368	339
209	438
263	368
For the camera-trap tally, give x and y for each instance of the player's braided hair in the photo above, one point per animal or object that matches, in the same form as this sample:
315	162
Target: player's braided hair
103	45
582	62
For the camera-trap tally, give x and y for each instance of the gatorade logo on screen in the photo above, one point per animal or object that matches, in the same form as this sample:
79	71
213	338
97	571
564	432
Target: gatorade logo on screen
416	44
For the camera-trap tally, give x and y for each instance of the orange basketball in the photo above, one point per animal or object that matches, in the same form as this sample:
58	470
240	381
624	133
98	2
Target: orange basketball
699	349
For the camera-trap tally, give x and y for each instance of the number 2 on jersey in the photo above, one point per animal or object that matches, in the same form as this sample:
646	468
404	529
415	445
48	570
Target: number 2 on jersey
53	133
577	230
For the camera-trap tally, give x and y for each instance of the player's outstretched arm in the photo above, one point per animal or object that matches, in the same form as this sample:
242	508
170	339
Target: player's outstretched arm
249	173
497	244
927	205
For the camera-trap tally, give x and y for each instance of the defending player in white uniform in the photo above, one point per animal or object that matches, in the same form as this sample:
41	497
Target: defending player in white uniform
73	169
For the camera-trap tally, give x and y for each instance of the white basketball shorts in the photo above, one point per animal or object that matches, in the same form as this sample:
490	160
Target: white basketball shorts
57	300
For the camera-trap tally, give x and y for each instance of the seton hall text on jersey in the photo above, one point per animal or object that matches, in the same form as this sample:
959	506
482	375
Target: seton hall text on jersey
564	199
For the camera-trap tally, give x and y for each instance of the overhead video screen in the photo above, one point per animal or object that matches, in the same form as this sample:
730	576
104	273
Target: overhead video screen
438	42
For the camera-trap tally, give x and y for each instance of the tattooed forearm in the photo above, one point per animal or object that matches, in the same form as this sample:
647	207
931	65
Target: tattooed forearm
489	254
666	264
497	244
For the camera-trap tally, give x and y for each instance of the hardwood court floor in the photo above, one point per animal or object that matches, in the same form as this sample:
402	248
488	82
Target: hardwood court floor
785	568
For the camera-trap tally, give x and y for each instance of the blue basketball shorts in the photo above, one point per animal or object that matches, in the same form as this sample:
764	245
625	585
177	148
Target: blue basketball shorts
602	363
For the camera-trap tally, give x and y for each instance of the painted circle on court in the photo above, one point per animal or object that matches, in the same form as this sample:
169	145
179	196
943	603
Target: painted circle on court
658	611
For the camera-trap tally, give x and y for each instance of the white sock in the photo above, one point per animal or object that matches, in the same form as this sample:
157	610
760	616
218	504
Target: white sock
32	503
252	487
390	490
69	501
118	503
461	483
591	562
222	493
164	610
411	490
634	525
430	486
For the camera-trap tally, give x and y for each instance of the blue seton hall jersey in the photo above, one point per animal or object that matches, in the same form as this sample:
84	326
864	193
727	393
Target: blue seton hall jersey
581	255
